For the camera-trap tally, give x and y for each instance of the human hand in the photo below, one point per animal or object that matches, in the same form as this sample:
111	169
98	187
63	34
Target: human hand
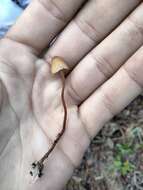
30	106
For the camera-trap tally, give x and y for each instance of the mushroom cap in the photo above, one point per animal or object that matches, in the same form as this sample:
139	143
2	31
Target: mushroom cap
58	64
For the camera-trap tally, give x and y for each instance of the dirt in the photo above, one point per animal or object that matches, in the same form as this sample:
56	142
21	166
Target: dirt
100	169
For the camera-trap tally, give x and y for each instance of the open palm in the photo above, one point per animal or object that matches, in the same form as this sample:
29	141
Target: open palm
31	117
101	85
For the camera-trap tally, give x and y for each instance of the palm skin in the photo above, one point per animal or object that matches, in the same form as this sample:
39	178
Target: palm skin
31	117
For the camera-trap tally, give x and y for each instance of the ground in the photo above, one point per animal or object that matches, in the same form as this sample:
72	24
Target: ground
114	160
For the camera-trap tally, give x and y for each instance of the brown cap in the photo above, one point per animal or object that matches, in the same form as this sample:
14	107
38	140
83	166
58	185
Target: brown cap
58	64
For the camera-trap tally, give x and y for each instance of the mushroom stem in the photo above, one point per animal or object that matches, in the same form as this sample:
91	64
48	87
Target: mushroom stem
64	120
57	66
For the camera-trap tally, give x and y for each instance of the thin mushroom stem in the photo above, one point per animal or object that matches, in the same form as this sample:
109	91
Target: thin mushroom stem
58	67
64	120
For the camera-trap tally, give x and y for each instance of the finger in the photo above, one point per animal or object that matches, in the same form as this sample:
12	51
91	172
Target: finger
106	58
93	23
114	95
42	20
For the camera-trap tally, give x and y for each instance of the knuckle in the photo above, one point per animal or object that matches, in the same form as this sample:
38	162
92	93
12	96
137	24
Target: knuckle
108	102
104	65
54	9
138	26
134	71
134	67
72	93
88	29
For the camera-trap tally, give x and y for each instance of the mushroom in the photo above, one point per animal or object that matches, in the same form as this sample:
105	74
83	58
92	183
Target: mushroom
58	66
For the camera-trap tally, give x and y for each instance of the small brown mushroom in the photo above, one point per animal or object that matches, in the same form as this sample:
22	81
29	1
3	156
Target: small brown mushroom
57	66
